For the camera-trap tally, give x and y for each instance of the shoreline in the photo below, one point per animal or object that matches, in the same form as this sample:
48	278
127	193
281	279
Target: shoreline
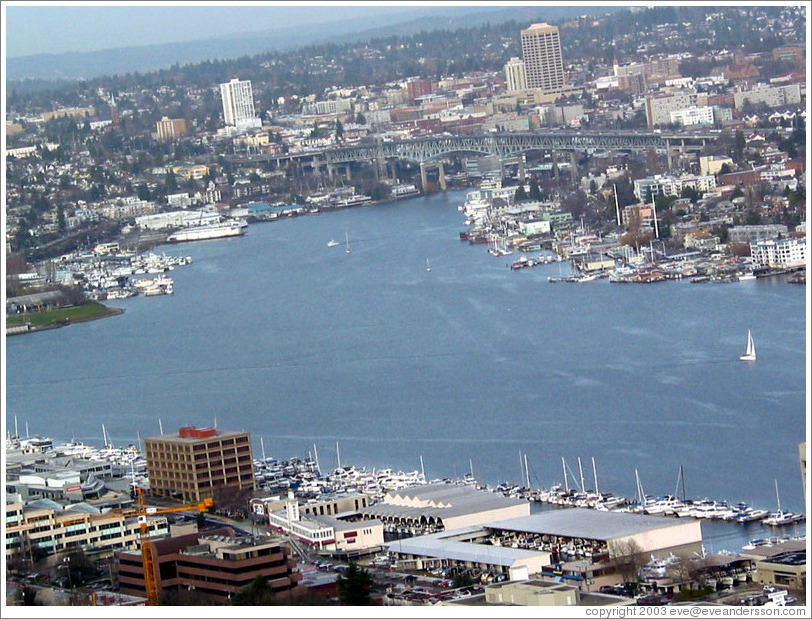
27	327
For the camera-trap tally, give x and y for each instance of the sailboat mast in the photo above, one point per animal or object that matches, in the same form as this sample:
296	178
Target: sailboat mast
566	482
527	471
777	497
595	475
654	210
316	454
338	455
617	206
262	445
581	473
422	470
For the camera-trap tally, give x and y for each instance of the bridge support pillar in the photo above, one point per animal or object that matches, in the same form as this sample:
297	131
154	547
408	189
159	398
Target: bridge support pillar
555	171
423	179
441	171
573	167
522	176
348	170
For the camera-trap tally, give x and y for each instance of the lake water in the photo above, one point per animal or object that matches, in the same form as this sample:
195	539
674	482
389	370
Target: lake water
469	364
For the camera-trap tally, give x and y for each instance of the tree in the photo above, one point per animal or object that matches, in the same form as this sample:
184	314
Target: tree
626	557
339	131
740	142
535	191
258	593
355	586
520	195
170	182
463	579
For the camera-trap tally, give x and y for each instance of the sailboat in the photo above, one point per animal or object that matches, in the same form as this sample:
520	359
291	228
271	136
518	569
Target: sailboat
777	518
347	234
332	243
750	353
428	266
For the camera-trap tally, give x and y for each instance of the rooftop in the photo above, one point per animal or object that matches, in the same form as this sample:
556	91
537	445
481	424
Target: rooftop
586	523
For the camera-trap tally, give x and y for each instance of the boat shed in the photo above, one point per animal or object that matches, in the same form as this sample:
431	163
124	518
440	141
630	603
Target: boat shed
442	507
576	532
462	547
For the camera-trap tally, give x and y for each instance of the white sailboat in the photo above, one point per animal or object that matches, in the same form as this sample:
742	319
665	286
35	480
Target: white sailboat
750	353
347	234
428	266
332	243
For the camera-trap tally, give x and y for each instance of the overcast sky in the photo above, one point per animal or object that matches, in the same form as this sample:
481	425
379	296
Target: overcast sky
44	28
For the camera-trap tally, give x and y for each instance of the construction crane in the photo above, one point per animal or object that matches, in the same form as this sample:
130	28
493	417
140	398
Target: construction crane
147	558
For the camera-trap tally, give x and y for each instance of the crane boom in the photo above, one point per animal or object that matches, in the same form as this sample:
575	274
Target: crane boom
147	556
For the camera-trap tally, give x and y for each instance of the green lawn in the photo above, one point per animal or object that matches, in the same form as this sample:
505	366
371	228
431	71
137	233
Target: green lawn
88	311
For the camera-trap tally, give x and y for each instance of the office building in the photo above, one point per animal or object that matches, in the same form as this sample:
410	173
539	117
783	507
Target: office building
515	74
193	463
541	48
238	104
215	564
46	526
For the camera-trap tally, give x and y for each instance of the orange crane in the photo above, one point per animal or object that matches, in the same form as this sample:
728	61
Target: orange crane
148	560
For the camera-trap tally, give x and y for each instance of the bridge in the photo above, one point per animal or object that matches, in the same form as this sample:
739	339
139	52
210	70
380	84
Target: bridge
432	150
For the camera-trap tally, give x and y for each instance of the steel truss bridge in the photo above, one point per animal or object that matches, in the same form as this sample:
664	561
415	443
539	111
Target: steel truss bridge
508	145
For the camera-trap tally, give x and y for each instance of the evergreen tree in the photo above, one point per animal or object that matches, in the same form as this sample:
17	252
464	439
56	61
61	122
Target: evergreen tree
535	191
520	195
170	182
355	586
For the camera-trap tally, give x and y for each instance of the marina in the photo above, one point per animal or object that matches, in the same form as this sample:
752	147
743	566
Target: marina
473	363
304	479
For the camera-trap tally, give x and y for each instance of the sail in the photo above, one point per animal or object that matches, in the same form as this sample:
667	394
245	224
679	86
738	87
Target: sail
750	352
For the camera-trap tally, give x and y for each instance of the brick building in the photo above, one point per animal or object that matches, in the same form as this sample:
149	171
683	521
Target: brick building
213	563
191	464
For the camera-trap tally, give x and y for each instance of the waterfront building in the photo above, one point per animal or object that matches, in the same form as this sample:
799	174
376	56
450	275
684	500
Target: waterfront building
515	74
342	534
572	543
50	527
216	563
541	50
779	253
170	128
442	507
193	463
782	564
238	104
173	219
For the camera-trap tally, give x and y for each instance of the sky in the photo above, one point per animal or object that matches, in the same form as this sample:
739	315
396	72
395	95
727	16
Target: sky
53	28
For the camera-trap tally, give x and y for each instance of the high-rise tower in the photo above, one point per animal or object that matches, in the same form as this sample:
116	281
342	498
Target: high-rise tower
541	49
515	74
238	104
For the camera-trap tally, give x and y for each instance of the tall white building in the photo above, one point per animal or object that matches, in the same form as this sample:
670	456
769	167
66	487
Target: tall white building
541	49
780	253
515	74
238	104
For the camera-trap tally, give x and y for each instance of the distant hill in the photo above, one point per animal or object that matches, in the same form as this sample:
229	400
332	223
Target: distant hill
144	59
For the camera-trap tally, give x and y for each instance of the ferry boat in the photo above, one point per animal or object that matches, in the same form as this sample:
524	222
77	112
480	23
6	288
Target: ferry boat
219	230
